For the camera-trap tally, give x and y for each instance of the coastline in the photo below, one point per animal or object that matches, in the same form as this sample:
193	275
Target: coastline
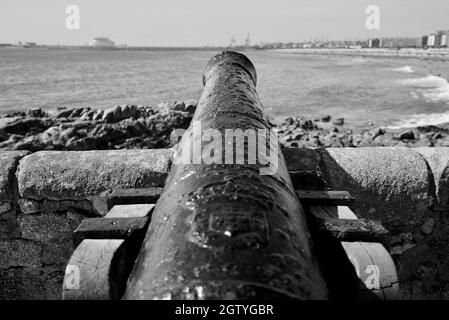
144	127
411	53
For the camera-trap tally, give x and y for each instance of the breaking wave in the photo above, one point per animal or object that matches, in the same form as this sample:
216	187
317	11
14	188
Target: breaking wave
431	88
405	69
421	120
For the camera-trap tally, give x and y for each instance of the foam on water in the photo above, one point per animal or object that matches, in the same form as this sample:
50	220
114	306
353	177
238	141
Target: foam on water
420	120
431	88
405	69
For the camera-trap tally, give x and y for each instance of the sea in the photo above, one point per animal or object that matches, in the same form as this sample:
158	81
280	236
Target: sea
390	92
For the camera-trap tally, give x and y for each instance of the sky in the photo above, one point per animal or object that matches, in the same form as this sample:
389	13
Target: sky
213	22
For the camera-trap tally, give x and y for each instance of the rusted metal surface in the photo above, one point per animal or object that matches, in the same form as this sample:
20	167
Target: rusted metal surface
224	231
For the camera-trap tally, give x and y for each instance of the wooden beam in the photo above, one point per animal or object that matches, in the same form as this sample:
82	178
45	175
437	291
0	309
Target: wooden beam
110	228
354	230
96	261
134	196
336	198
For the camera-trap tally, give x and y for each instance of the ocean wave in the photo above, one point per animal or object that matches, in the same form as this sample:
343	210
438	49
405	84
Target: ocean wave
421	120
406	69
432	88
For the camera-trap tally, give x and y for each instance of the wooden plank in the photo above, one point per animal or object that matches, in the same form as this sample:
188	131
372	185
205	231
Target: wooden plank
95	261
340	212
353	230
372	263
375	269
110	228
130	210
309	197
307	180
87	273
134	196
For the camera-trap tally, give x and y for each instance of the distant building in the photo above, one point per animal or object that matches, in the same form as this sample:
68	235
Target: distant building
424	41
375	43
431	41
29	45
402	42
442	39
102	42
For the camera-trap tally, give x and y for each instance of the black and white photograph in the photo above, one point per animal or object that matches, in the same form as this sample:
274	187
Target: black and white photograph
246	153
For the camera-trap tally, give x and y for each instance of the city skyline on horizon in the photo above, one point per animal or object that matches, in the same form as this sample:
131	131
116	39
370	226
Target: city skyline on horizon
198	23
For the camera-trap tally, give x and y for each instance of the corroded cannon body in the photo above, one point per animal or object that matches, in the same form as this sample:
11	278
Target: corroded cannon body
225	229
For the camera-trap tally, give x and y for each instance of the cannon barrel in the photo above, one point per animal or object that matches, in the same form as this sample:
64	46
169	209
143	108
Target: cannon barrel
224	228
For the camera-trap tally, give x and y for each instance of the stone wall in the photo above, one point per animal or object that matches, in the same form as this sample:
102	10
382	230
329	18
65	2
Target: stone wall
45	195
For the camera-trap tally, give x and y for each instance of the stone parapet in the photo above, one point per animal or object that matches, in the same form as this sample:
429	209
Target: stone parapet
45	195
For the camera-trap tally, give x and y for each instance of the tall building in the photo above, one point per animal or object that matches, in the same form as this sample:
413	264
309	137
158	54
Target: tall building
431	41
442	39
375	43
425	39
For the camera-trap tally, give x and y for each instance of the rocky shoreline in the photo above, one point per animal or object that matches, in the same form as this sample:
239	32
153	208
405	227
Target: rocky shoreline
133	127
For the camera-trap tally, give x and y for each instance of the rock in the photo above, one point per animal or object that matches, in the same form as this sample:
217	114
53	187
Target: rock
179	106
76	113
14	114
428	226
436	136
326	118
36	113
64	113
117	114
298	135
108	116
289	121
98	115
28	126
339	121
19	253
406	135
190	106
377	132
88	115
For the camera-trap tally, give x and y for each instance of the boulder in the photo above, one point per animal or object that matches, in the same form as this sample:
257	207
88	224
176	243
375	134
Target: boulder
406	135
28	125
36	113
179	106
108	115
65	113
98	115
190	106
339	121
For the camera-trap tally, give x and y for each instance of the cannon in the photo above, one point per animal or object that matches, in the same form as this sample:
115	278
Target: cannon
229	223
